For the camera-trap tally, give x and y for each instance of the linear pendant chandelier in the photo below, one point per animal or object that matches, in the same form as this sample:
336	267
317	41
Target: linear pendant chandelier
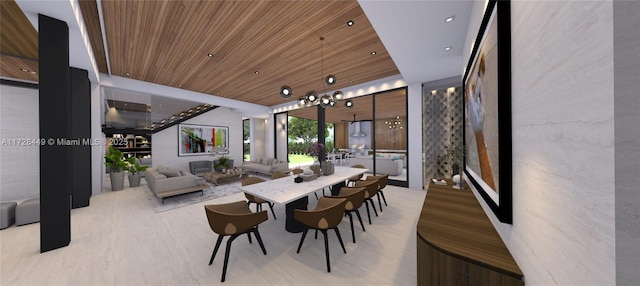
311	97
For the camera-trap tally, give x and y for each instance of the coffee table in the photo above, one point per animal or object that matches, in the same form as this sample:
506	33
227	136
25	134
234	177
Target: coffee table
215	177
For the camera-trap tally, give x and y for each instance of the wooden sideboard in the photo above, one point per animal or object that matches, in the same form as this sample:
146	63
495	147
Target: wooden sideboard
458	245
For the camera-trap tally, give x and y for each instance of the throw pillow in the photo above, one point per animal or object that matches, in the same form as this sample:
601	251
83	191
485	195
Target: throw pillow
170	172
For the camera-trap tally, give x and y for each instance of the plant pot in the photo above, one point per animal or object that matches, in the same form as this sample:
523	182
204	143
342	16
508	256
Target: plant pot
219	168
117	180
134	180
327	168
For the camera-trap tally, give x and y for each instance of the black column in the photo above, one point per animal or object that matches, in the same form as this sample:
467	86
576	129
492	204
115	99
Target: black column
321	132
81	134
55	124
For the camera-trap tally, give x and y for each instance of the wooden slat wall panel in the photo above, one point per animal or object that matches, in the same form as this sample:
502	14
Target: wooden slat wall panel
11	67
167	43
91	19
19	37
18	43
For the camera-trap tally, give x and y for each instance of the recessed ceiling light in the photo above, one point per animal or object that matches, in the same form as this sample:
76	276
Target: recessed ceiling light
447	48
210	55
179	85
350	23
373	53
127	74
257	72
450	19
24	70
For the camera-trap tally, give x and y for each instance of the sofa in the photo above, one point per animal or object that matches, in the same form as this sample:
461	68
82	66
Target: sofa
166	182
384	165
265	165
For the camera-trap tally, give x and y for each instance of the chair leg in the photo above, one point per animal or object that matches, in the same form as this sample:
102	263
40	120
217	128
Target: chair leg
271	207
226	256
257	234
304	234
373	206
366	204
353	233
215	249
249	236
316	237
340	239
383	198
379	202
326	249
360	219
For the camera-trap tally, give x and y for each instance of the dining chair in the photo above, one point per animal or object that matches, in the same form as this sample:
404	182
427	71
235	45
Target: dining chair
355	199
358	177
371	189
255	200
233	219
382	183
327	215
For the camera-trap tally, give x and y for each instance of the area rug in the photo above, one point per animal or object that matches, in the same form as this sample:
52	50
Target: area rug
179	201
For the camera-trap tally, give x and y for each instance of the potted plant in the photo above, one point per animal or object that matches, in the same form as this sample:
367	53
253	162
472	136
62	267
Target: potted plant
116	163
223	162
455	153
135	171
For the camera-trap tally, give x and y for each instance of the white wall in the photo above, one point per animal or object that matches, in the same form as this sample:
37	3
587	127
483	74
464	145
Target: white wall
19	156
563	142
258	138
164	144
627	132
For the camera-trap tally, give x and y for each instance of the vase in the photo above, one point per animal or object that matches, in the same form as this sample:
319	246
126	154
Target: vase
327	168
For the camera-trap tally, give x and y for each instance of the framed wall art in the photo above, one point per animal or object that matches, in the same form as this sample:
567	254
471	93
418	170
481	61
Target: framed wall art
487	111
202	140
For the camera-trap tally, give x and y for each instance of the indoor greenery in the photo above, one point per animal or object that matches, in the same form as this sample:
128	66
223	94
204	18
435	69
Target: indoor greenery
221	162
115	160
134	166
455	153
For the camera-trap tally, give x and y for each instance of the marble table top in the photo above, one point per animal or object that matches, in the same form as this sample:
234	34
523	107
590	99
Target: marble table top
285	190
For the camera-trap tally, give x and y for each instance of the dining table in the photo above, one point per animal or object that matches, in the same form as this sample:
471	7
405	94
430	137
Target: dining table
296	195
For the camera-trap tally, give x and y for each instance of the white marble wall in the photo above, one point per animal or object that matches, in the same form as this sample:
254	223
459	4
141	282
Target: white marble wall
19	163
627	137
164	144
563	230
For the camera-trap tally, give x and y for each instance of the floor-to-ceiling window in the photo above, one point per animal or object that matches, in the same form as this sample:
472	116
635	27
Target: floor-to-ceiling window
246	142
372	133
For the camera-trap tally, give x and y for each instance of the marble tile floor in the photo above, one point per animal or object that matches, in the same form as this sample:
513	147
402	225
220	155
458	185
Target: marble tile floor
120	240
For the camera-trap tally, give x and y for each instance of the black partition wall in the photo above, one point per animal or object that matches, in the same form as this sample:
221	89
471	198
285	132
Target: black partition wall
55	124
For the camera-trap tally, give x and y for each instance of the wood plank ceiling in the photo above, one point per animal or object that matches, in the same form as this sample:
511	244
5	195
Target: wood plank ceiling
257	46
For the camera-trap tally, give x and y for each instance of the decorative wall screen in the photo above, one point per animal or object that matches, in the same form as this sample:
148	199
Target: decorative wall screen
442	121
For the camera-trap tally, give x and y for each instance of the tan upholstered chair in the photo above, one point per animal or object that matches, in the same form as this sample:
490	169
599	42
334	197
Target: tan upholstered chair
371	189
382	183
277	175
355	178
355	198
233	219
251	199
297	171
327	215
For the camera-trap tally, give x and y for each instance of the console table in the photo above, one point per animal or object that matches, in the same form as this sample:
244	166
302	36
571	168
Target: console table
458	245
